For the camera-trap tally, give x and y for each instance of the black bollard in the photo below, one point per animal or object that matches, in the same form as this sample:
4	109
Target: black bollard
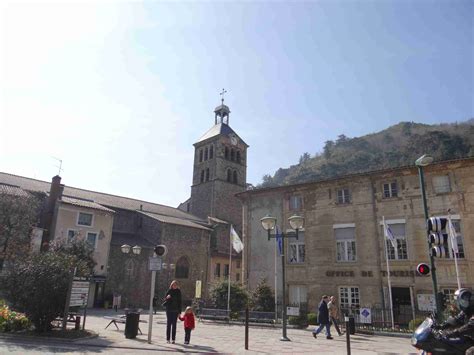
348	336
247	328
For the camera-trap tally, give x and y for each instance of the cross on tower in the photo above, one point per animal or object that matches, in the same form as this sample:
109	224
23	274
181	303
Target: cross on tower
222	94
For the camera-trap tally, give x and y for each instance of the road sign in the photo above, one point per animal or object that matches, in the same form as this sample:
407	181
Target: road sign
293	311
79	292
154	264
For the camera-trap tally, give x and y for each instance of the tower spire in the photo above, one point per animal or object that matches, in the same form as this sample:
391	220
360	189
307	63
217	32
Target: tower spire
222	111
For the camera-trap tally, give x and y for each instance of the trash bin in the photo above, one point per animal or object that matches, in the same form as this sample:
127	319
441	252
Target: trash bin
131	325
352	325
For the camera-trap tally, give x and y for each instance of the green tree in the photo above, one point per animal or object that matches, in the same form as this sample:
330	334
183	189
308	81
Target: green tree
238	296
263	299
37	284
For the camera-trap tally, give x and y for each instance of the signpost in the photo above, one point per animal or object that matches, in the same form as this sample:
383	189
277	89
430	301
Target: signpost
154	264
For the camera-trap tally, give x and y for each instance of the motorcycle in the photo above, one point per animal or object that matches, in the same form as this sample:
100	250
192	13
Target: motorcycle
432	341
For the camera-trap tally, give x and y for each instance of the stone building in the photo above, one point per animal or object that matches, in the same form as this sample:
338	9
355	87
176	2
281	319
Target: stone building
219	173
341	252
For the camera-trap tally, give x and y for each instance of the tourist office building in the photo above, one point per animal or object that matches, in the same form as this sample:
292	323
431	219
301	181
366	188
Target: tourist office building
340	251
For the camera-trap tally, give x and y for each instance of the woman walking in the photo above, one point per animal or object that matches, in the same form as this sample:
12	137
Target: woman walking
173	309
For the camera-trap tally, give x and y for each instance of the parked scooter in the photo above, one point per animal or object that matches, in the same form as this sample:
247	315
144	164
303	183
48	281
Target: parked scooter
455	336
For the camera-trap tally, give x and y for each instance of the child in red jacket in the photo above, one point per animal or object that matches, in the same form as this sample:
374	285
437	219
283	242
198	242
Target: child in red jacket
188	319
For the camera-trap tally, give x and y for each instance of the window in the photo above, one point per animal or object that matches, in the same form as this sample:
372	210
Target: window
237	277
345	244
298	294
84	219
449	293
238	157
91	239
390	190
400	253
187	207
459	239
343	196
441	184
71	235
295	202
202	175
211	152
206	153
207	174
349	297
234	177
217	271
200	155
130	268
226	271
229	175
182	268
232	155
226	153
296	250
237	264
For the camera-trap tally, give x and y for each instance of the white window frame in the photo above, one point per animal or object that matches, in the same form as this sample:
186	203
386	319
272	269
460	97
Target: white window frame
351	304
85	225
441	188
297	294
345	244
295	202
459	237
76	234
392	191
449	293
299	259
401	243
345	197
96	239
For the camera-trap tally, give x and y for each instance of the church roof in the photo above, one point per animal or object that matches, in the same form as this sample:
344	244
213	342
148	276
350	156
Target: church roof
174	220
218	129
100	198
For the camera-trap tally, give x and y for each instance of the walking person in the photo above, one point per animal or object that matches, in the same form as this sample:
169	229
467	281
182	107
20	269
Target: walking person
188	319
323	318
173	309
333	309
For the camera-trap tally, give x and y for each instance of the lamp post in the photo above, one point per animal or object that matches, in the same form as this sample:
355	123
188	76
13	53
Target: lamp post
269	223
421	162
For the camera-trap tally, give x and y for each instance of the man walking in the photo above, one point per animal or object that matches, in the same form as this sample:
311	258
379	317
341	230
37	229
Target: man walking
323	318
334	314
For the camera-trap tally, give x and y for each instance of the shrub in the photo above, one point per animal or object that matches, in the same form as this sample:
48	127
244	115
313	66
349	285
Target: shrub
312	318
263	299
11	320
238	296
301	321
414	323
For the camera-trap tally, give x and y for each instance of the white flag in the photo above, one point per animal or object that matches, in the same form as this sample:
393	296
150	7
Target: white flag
453	235
236	242
389	234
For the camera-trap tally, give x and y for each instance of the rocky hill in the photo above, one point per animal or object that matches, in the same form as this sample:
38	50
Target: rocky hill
398	145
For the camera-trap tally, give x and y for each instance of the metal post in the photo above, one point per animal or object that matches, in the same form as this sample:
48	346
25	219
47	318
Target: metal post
152	294
348	336
247	327
284	337
432	262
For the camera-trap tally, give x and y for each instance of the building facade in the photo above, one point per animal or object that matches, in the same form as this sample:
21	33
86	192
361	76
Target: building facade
341	249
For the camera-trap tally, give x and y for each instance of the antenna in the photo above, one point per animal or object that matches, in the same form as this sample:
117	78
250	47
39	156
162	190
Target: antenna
60	165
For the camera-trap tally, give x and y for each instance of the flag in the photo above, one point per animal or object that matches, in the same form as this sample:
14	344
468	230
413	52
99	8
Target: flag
279	239
389	234
236	242
453	235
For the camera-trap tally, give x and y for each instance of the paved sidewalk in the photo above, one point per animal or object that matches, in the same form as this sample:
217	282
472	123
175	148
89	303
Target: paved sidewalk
211	337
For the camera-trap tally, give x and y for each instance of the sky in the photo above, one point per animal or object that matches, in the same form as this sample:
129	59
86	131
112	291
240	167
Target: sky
120	90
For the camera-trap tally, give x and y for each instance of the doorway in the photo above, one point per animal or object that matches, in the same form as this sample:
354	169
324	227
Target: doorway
402	307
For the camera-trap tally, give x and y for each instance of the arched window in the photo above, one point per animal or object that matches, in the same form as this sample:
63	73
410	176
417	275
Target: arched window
207	174
182	268
130	268
200	155
238	157
234	177
226	153
206	154
229	175
211	152
202	175
232	155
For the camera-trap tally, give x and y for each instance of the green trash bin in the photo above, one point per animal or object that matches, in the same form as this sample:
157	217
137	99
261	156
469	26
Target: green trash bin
131	325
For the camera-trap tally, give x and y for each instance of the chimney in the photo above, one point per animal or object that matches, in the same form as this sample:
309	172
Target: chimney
55	193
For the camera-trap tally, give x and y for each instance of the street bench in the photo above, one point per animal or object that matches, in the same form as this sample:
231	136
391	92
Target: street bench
121	320
258	317
213	313
71	318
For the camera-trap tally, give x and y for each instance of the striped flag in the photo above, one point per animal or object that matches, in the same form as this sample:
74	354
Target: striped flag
453	235
279	239
389	234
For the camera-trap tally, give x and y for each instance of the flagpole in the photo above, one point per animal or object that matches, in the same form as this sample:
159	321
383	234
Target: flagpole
388	271
228	276
454	248
276	280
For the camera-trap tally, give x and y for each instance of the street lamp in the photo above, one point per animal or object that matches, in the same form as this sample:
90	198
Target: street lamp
135	250
269	223
421	162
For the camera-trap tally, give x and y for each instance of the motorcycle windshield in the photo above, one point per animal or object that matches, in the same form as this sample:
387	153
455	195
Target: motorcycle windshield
422	332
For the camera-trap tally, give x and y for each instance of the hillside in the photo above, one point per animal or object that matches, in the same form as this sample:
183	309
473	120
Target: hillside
398	145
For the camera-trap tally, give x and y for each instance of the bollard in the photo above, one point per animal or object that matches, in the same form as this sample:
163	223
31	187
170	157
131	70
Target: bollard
247	328
348	336
77	323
